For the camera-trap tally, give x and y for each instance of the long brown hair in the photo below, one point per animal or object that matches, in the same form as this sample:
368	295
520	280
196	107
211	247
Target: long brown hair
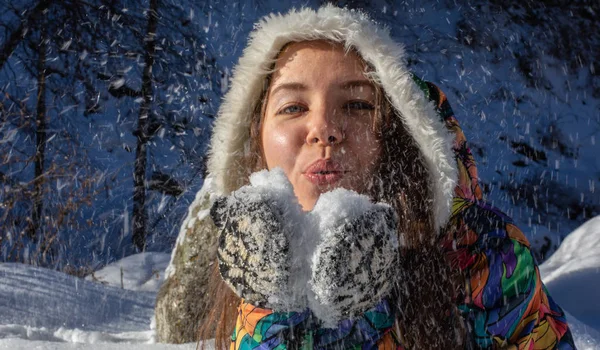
425	294
427	288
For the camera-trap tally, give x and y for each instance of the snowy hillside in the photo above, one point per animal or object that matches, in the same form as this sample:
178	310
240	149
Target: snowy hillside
572	274
44	309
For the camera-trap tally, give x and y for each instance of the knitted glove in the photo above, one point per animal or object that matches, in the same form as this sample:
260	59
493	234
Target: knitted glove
253	247
354	265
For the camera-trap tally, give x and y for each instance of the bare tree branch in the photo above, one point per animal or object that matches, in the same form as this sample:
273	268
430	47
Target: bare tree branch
18	34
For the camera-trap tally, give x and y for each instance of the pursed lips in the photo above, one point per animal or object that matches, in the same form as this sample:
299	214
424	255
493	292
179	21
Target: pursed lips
324	172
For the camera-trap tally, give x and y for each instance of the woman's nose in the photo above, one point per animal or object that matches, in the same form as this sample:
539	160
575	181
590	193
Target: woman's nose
324	128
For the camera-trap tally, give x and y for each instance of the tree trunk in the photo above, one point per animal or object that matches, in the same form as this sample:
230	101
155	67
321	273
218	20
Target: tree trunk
139	216
40	137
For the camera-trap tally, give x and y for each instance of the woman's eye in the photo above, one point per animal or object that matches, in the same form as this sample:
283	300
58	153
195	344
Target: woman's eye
293	109
359	106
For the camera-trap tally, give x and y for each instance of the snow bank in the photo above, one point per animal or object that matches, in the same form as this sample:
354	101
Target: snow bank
140	272
45	309
65	335
17	344
585	337
39	297
572	273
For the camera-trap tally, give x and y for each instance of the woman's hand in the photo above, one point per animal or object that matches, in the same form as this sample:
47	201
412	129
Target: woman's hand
354	265
341	256
253	247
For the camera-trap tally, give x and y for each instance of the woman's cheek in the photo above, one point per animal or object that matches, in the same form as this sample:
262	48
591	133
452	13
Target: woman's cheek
280	147
281	138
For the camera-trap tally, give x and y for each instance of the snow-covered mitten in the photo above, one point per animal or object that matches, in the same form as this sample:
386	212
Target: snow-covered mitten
255	228
354	265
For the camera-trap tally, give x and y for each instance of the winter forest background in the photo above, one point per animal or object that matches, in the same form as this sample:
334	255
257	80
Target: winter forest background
106	109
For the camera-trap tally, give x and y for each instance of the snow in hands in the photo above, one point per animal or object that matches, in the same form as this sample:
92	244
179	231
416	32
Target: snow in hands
354	264
337	260
254	241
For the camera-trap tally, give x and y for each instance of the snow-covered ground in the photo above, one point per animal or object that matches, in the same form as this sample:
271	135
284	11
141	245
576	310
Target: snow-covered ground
572	273
44	309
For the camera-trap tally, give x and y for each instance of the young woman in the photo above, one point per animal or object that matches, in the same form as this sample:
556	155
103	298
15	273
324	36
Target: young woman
363	225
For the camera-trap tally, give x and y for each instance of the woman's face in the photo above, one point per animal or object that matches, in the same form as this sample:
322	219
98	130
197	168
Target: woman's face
318	120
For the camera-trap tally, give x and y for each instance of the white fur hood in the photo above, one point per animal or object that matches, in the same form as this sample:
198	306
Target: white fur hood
230	139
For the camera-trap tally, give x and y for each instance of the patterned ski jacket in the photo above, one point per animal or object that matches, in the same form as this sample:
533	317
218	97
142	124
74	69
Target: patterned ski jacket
506	304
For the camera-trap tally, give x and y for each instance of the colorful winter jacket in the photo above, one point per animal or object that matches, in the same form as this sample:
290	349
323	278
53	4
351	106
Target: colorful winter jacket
507	304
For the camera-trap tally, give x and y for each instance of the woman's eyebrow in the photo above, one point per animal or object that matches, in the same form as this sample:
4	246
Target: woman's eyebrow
288	86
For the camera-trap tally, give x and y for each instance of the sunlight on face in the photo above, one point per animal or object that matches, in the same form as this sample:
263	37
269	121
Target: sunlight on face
318	120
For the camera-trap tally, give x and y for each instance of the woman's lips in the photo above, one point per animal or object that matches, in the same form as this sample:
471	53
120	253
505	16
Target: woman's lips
324	172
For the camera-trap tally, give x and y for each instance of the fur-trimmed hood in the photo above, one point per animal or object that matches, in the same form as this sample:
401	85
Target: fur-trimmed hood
230	139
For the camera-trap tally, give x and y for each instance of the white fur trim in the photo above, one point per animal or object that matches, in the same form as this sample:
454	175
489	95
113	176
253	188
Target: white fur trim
353	28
